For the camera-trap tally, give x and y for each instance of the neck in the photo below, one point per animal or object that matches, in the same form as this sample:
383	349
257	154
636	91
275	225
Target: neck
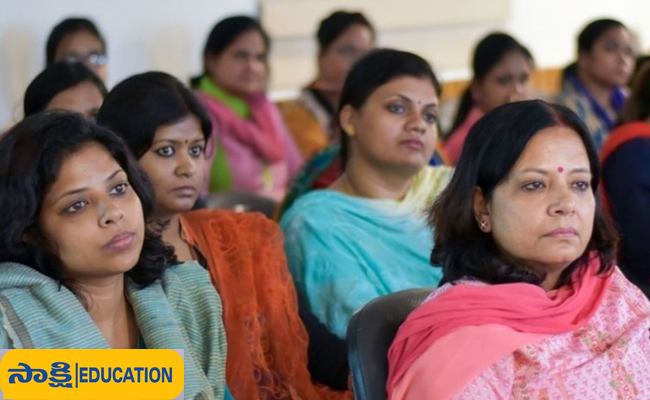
602	93
362	180
327	86
551	281
109	309
172	231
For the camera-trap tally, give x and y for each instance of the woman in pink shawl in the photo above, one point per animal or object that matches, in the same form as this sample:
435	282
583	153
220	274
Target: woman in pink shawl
250	149
534	307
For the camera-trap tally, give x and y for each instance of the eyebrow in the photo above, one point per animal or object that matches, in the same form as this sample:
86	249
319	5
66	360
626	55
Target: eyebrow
405	98
81	190
546	172
202	139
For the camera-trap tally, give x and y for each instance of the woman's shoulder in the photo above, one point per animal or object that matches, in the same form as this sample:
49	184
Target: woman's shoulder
313	205
224	219
185	275
450	286
20	276
437	173
621	285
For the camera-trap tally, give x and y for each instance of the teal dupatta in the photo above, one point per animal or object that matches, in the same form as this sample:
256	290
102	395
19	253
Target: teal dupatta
181	311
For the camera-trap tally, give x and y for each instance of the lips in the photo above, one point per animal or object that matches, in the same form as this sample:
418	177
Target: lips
185	191
121	241
414	144
563	232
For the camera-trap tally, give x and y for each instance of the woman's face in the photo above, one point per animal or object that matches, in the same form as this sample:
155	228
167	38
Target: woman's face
83	98
241	68
611	59
175	163
508	81
542	215
91	218
84	46
396	127
337	60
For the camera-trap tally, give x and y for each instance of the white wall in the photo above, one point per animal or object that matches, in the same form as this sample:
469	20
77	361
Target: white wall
547	27
169	34
142	35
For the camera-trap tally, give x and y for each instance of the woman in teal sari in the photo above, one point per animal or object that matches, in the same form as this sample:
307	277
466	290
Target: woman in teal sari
81	266
365	236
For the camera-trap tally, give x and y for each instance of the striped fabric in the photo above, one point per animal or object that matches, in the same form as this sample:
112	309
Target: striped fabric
181	311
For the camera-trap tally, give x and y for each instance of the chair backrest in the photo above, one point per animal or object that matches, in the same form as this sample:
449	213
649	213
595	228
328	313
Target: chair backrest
242	202
370	333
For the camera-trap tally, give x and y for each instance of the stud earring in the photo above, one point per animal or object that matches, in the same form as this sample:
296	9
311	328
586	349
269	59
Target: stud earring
483	225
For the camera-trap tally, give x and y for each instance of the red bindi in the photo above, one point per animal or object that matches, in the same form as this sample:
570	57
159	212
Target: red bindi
560	169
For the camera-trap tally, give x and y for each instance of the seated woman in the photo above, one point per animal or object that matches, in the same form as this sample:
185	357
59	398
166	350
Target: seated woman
593	86
167	129
250	149
534	306
80	267
343	37
626	181
78	39
67	86
366	235
502	67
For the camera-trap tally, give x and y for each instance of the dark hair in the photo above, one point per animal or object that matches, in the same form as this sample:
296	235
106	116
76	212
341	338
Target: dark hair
139	105
493	146
56	78
224	33
488	53
588	37
376	69
637	106
67	27
638	64
336	24
31	155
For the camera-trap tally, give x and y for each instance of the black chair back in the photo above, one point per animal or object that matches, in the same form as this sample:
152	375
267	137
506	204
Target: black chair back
370	333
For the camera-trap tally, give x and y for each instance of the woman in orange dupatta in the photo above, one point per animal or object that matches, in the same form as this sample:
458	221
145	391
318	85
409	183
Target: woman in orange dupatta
534	306
167	129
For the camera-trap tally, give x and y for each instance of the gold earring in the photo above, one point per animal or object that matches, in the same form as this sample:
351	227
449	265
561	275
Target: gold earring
350	131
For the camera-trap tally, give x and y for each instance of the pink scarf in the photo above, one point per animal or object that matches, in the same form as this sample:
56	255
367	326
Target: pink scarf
521	307
262	133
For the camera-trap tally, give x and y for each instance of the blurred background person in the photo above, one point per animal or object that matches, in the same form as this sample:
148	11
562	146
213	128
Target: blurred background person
78	39
65	85
250	149
594	86
502	67
343	37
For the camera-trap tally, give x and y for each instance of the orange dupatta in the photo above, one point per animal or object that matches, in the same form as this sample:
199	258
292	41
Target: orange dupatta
267	341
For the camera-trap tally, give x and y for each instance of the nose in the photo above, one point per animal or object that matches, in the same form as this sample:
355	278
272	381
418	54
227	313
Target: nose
110	214
416	122
518	91
186	167
563	202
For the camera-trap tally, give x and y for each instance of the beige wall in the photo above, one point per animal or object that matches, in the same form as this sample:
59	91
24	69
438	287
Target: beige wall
443	31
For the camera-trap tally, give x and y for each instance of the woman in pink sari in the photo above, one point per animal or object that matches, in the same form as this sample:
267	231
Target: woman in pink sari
534	307
250	149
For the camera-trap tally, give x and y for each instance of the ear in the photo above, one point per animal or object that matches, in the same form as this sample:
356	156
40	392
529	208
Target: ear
32	236
29	236
347	119
211	63
475	90
481	210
